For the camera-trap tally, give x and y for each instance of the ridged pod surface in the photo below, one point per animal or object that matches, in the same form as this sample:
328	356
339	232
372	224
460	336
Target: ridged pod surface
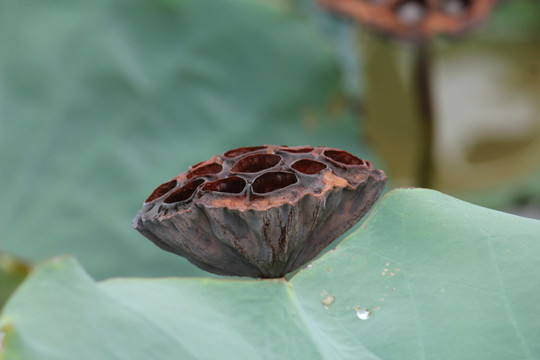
260	211
414	19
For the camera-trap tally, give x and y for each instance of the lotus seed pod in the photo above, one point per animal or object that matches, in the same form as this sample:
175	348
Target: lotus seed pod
260	211
414	19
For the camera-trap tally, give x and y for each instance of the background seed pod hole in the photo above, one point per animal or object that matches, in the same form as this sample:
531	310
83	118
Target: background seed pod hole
162	190
308	167
205	170
343	157
242	151
256	163
231	185
272	181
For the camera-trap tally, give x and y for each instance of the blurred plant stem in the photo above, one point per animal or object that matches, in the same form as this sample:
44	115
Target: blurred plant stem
399	107
12	273
422	73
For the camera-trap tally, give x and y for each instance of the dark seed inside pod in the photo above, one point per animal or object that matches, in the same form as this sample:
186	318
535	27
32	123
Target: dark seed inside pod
298	150
343	157
184	193
256	163
242	151
161	190
231	185
271	181
309	167
205	170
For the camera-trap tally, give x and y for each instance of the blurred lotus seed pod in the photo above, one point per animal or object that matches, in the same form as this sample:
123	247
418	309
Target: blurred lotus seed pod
414	19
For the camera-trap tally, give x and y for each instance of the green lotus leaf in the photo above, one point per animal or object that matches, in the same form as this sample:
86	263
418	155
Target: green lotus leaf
426	276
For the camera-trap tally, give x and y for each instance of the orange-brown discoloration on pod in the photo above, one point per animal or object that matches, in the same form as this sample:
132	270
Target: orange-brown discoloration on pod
260	211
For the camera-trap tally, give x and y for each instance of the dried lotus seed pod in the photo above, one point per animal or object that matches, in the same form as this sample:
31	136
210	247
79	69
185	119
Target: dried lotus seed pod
260	211
414	18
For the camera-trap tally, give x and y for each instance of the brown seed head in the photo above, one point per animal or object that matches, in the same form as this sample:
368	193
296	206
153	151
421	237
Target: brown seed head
414	19
260	211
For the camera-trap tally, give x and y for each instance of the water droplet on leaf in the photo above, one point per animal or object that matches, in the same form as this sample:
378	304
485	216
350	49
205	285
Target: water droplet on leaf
363	314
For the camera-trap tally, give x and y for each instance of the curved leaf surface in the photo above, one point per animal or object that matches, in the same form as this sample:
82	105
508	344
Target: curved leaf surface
433	277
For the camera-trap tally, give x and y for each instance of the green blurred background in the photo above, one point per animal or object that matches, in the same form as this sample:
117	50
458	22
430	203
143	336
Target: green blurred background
101	101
